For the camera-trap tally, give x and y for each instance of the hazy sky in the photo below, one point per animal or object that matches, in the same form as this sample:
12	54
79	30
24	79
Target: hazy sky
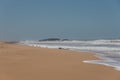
73	19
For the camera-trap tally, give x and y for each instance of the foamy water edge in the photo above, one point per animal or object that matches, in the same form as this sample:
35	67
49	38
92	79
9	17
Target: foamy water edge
91	47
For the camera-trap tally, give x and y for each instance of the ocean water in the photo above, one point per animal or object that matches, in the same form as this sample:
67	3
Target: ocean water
107	50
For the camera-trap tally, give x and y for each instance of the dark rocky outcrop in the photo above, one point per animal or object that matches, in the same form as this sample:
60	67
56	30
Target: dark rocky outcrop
54	39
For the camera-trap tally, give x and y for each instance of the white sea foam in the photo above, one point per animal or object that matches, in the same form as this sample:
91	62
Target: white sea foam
109	50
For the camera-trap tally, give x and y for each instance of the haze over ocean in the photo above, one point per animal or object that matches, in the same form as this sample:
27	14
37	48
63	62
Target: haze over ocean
73	19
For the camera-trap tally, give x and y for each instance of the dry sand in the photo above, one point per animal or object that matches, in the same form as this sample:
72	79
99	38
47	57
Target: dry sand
19	62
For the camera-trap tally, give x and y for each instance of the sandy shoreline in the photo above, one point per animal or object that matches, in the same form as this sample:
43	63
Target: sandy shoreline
19	62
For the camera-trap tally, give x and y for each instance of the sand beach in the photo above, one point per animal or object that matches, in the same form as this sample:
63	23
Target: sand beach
19	62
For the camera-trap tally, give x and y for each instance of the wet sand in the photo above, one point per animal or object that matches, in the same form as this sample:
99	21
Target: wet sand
18	62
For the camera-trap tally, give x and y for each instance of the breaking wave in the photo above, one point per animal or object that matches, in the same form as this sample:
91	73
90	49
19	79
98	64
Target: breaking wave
108	50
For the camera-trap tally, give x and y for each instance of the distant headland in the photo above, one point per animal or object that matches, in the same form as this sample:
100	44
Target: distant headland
54	39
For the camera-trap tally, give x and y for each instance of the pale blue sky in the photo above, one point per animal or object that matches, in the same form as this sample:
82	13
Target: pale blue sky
73	19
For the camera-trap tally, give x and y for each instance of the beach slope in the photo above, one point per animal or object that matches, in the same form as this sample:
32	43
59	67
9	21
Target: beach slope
18	62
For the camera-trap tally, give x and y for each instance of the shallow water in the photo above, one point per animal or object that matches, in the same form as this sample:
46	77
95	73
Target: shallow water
109	50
